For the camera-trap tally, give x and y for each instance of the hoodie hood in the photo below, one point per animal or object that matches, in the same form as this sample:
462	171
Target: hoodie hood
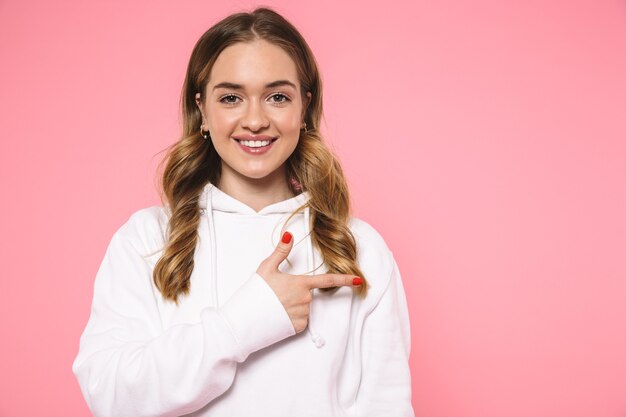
213	199
220	201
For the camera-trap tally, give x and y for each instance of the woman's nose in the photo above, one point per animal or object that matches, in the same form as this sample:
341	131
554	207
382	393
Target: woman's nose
255	117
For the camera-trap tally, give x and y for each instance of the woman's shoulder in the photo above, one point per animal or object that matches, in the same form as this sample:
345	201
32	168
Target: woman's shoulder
366	234
374	256
146	229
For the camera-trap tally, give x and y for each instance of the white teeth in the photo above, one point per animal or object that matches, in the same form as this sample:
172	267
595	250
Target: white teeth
255	143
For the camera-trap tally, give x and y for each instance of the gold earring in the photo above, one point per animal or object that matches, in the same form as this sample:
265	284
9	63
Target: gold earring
207	134
305	129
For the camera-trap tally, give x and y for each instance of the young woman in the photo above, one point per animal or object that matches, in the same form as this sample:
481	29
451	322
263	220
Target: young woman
252	291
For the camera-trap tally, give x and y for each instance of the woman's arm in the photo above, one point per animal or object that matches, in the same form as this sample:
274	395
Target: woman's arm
385	388
128	366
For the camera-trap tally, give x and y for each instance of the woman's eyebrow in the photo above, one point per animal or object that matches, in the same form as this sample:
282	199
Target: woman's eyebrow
280	83
273	84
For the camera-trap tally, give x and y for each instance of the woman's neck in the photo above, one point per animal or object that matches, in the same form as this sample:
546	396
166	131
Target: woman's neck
256	193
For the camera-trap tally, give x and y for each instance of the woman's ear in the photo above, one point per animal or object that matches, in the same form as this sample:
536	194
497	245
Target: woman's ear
307	103
200	104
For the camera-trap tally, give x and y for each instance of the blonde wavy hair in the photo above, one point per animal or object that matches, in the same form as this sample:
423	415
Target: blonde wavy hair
192	161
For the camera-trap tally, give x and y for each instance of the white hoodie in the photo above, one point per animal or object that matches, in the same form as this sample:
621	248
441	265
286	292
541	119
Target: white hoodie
229	348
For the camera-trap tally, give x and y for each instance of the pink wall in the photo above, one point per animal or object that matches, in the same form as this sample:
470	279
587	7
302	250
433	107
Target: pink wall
486	141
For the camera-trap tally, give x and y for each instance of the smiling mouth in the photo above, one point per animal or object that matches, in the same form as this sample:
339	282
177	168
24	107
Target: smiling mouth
255	143
256	147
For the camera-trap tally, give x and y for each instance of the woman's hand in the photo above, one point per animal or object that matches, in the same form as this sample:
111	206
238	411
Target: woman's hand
294	291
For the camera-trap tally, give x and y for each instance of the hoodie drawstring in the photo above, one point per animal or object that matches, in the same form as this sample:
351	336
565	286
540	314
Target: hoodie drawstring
213	260
316	338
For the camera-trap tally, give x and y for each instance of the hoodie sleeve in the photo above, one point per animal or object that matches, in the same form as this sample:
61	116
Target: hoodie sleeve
385	388
127	365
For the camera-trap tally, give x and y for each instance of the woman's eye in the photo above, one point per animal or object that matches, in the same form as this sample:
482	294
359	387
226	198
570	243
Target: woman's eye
280	98
229	99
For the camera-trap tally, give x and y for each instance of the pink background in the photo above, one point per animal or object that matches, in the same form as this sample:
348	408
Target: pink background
485	140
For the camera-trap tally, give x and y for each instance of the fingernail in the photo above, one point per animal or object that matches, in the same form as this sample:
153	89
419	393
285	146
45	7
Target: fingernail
286	237
357	281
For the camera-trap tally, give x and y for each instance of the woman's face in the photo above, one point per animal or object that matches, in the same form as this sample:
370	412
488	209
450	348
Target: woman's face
253	110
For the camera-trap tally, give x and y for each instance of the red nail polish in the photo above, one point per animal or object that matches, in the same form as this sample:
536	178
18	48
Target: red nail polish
286	237
357	281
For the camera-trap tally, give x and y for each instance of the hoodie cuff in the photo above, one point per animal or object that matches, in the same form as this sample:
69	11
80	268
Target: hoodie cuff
256	316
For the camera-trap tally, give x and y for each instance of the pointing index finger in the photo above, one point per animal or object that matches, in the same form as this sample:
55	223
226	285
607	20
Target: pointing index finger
334	280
